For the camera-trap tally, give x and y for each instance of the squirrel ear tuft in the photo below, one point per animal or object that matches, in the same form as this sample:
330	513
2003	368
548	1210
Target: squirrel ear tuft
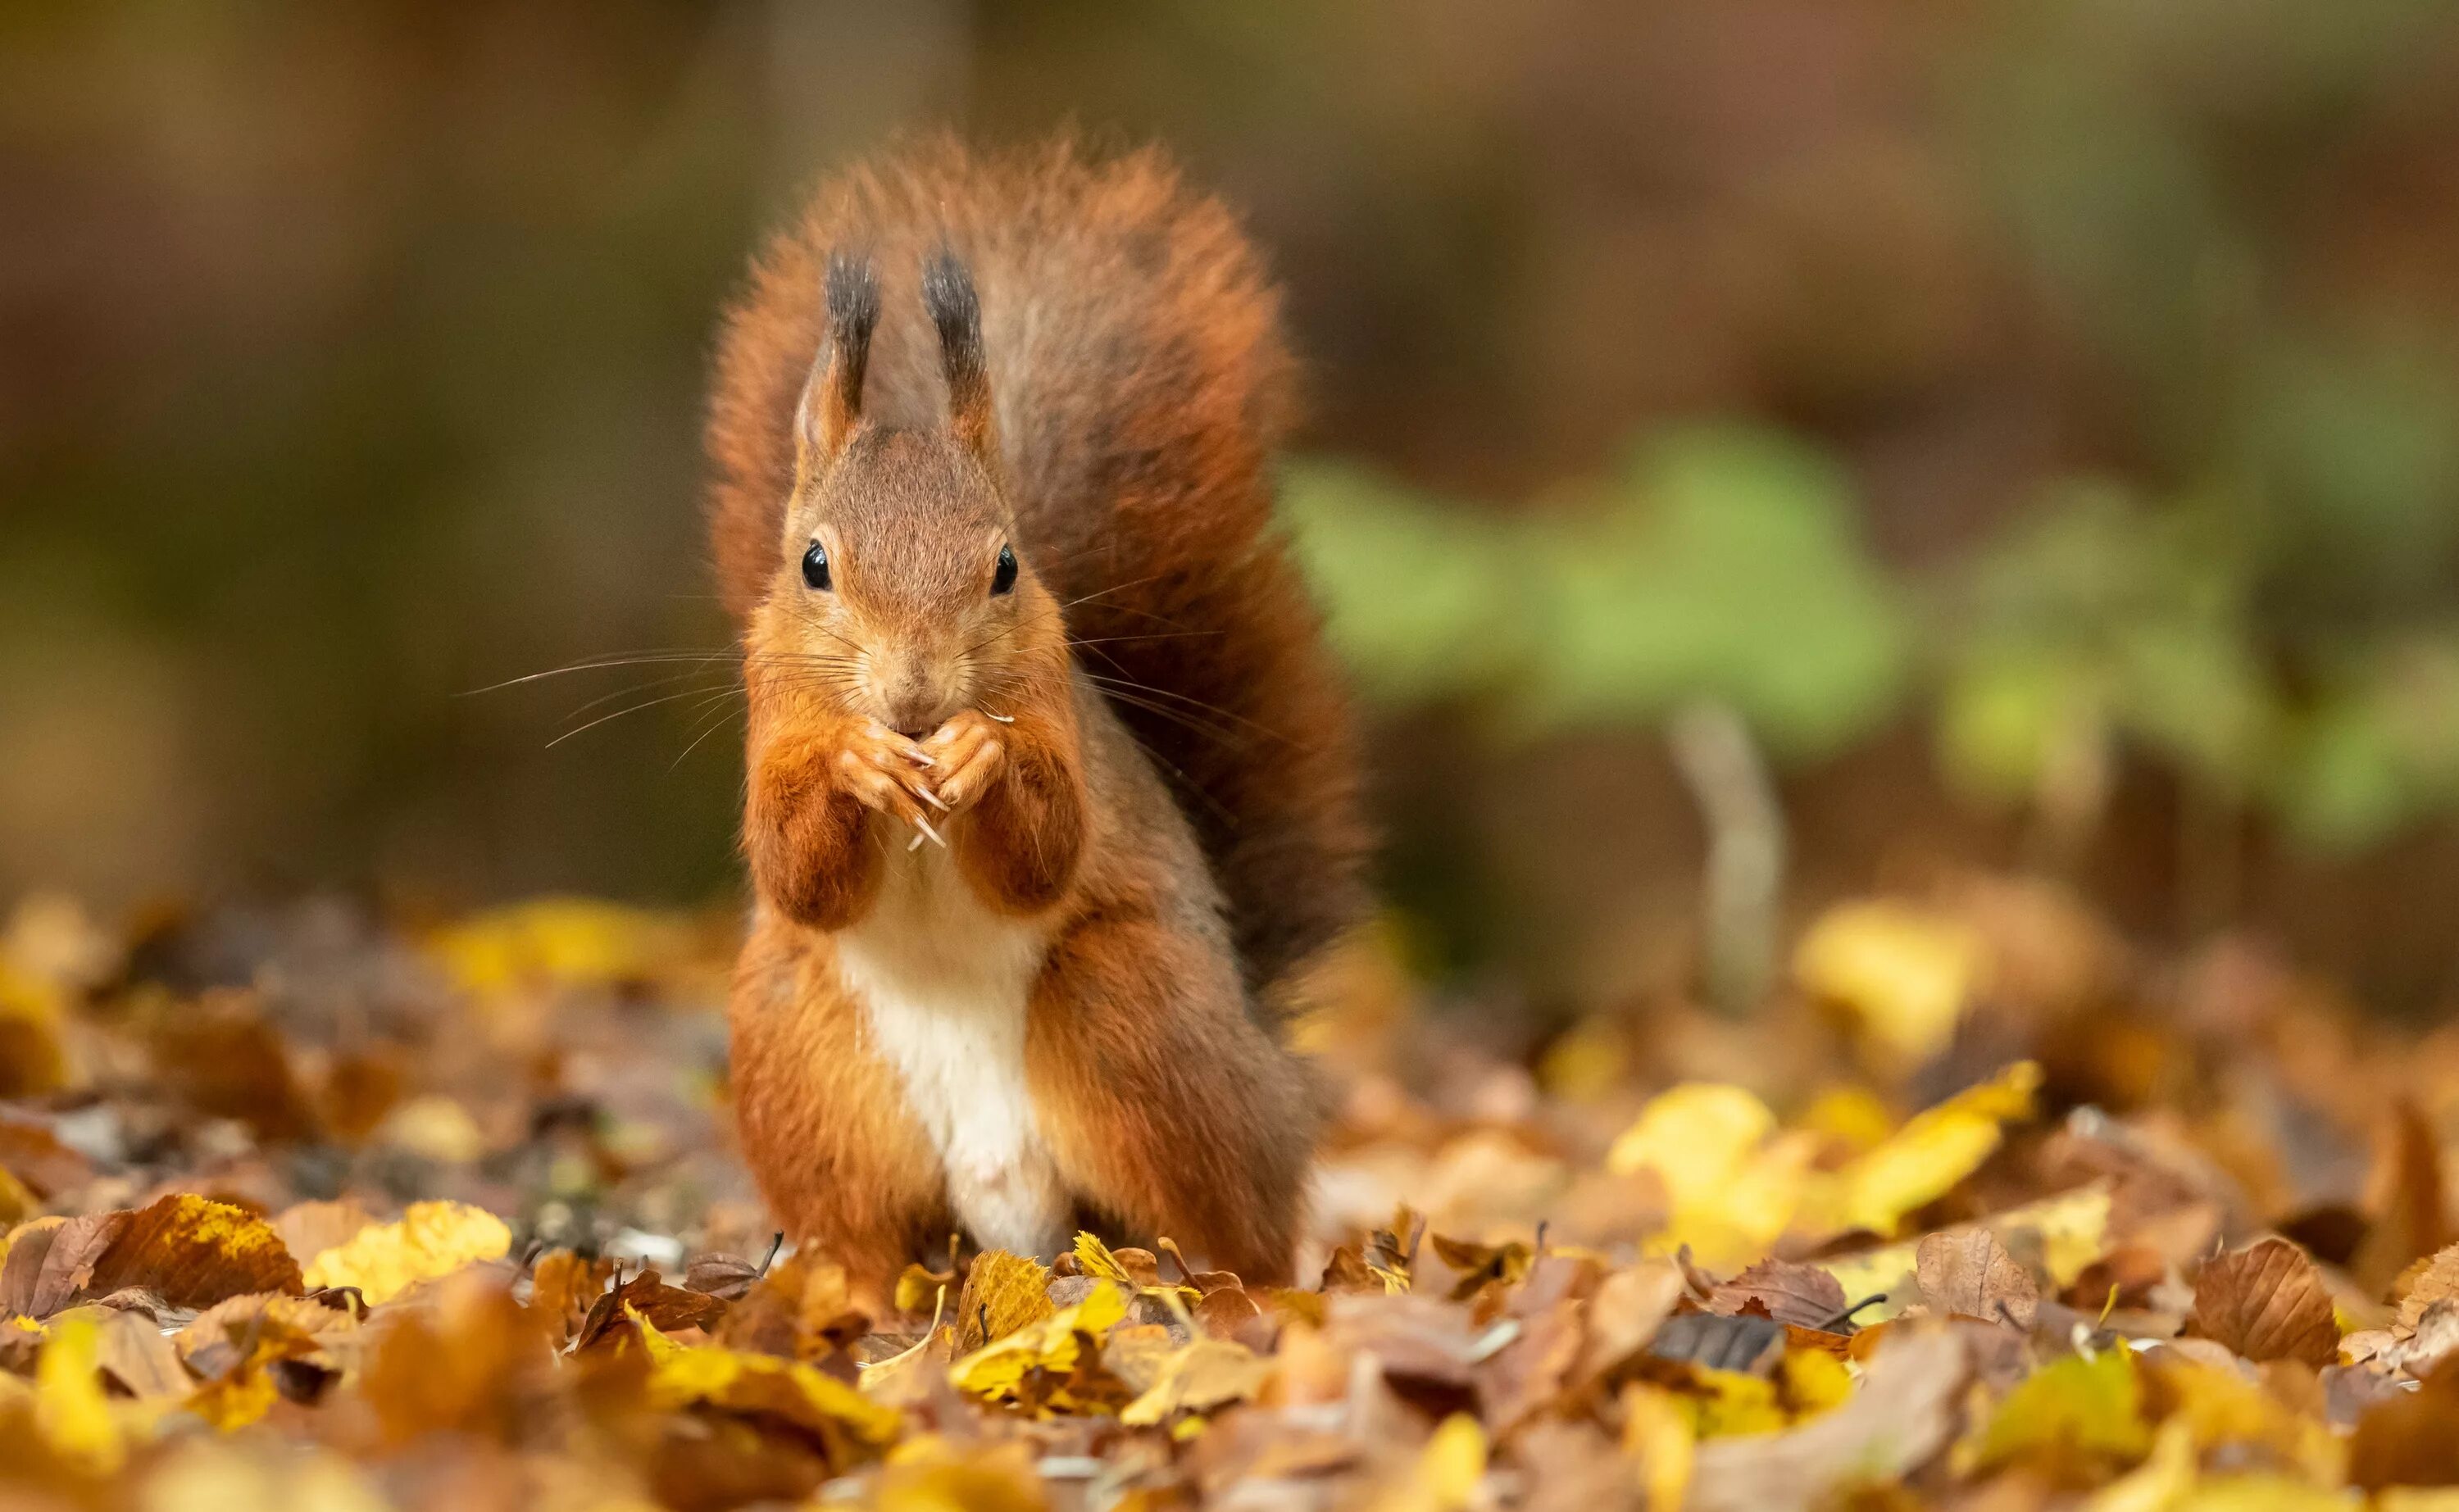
832	395
948	293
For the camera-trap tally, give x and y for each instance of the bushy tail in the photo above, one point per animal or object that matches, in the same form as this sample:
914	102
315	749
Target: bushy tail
1141	387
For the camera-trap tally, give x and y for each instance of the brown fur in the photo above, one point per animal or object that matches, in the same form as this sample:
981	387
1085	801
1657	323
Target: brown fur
1184	836
1141	385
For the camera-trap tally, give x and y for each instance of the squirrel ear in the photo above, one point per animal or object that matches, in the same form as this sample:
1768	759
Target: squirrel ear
832	395
948	293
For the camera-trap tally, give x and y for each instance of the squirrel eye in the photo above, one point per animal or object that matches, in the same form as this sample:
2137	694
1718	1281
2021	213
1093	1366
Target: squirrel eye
815	567
1003	579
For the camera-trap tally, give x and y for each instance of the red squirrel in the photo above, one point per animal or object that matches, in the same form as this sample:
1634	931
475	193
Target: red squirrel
1052	780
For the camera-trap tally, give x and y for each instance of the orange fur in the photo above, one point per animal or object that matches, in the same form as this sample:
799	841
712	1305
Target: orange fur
1138	751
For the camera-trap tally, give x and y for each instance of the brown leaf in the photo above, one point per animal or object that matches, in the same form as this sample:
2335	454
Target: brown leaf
1228	1312
34	1155
667	1308
1630	1305
1971	1272
51	1260
1526	1375
2266	1301
1802	1295
2407	1440
138	1356
2405	1195
1418	1338
229	1062
725	1276
194	1251
2437	1282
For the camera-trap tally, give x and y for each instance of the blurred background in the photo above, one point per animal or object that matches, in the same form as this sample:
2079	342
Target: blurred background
1759	450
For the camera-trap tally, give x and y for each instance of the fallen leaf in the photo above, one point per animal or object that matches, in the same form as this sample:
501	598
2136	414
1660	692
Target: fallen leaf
138	1356
2437	1282
796	1393
1052	1344
51	1261
1899	1421
1446	1475
647	1296
930	1473
2266	1301
2076	1415
1202	1375
557	942
1969	1272
1714	1341
1630	1305
1004	1293
2409	1439
69	1408
194	1252
432	1239
1924	1160
32	1059
1905	972
1787	1291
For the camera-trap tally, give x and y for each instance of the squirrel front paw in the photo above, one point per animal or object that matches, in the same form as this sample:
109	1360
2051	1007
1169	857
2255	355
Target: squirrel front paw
888	773
966	755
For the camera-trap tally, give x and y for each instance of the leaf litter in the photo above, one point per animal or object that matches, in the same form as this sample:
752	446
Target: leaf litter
1984	1207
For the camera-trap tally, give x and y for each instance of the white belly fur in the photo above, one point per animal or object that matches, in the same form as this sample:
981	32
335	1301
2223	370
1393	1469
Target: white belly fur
945	982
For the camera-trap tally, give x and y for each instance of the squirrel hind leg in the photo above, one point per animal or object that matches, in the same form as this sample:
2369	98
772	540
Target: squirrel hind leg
1164	1102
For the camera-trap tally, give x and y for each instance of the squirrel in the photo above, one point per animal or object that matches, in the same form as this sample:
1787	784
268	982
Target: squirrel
1052	780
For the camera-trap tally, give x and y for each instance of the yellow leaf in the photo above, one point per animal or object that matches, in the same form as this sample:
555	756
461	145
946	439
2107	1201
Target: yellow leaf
558	942
2219	1407
1694	1136
1095	1258
2159	1483
1814	1382
69	1406
1905	972
1730	1402
1923	1161
432	1239
1004	1292
928	1474
997	1369
33	1060
1656	1431
737	1381
2079	1409
1207	1374
1735	1189
1448	1472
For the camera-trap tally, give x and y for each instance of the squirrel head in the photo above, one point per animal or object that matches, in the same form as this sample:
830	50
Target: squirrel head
900	595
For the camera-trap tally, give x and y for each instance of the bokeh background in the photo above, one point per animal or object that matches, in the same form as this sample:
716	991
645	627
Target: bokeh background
1758	449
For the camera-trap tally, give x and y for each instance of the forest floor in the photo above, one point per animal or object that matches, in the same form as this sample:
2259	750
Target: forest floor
1987	1208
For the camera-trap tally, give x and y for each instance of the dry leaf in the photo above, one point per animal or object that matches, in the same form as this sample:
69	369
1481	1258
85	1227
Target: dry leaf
2266	1301
1899	1419
194	1252
1905	972
733	1381
1052	1344
2437	1282
1969	1272
1004	1293
432	1239
1199	1377
1786	1291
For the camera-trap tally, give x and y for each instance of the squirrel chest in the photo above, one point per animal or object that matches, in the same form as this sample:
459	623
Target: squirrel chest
944	984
